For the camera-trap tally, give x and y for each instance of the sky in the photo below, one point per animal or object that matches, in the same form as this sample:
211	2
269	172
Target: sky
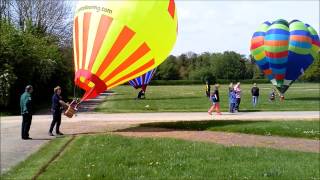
217	25
227	25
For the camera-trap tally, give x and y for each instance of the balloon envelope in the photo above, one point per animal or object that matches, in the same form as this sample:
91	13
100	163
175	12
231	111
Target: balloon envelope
143	80
116	41
283	50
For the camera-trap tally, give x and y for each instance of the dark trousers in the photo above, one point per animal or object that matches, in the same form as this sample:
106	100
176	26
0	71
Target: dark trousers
237	104
26	123
55	121
141	95
208	93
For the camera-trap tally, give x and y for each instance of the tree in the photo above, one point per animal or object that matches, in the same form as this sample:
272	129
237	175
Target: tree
169	69
45	16
313	72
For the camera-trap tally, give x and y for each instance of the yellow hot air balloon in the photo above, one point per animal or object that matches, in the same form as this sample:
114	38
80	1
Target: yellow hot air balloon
116	41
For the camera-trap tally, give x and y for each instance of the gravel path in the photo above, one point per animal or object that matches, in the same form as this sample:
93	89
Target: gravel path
227	139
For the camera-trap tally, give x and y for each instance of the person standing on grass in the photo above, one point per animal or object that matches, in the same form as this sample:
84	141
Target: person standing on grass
272	95
215	99
57	107
255	94
208	89
230	89
232	100
237	90
26	112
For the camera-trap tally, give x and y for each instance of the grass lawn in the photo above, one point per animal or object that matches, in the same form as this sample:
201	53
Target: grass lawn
300	97
116	157
303	129
28	168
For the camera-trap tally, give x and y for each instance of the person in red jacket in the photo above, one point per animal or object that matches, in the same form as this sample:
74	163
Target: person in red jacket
215	99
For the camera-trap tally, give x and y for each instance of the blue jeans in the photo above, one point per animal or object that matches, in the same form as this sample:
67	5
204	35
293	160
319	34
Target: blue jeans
231	107
255	100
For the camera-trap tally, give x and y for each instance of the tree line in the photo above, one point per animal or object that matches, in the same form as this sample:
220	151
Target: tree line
229	65
36	49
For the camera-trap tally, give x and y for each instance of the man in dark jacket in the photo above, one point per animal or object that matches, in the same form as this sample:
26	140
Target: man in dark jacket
255	95
57	107
26	112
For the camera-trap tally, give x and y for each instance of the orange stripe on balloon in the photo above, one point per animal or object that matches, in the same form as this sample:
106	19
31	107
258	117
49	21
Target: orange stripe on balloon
171	8
267	71
86	22
122	40
142	68
102	30
277	43
300	38
134	57
76	31
257	39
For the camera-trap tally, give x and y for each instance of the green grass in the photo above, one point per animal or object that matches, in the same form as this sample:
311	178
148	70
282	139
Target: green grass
116	157
303	129
28	168
300	97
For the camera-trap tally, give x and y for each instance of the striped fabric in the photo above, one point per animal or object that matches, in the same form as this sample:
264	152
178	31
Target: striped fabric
116	41
283	50
143	80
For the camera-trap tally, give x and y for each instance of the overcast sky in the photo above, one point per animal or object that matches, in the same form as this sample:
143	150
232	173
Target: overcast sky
217	26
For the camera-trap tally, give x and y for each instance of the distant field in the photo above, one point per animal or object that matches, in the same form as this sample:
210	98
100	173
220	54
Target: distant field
191	98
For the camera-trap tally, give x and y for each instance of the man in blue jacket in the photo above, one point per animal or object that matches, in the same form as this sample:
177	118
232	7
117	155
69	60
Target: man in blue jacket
57	106
26	112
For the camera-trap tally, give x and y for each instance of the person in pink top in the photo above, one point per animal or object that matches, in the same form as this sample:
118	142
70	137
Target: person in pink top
237	90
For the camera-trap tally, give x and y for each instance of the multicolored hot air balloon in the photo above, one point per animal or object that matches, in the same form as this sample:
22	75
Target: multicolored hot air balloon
142	81
283	51
116	41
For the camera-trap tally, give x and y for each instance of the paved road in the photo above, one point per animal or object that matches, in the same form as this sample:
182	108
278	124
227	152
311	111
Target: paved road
14	150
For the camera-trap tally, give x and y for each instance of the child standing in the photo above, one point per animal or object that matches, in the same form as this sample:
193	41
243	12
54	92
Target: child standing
232	101
272	96
215	99
237	90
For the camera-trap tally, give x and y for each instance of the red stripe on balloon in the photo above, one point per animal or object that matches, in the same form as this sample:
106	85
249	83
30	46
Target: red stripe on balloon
279	76
256	45
143	78
277	54
122	40
171	8
102	30
134	57
317	43
86	23
142	68
76	32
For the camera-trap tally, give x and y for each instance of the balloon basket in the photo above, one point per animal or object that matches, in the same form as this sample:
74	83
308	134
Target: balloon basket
71	110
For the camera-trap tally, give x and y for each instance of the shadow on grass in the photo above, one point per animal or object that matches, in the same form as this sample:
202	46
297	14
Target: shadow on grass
250	110
186	125
303	99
